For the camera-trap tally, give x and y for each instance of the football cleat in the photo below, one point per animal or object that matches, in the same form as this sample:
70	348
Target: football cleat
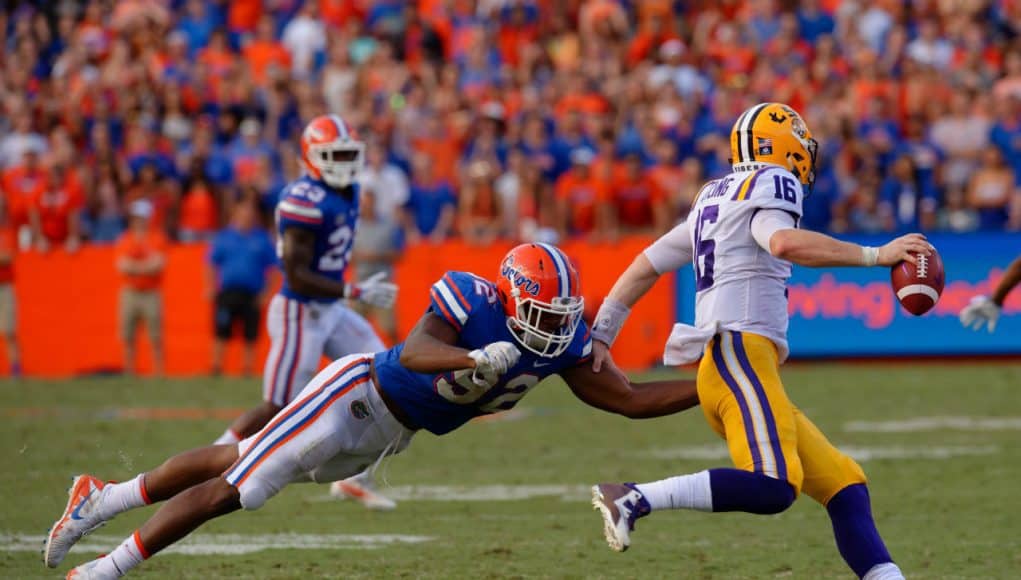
88	571
620	505
79	518
362	490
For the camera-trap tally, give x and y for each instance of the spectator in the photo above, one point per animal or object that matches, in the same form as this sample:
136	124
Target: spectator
962	134
102	218
22	185
479	207
956	216
141	259
266	57
905	202
377	248
8	303
387	181
929	48
431	204
55	212
151	186
639	202
240	257
582	199
304	37
991	189
22	140
199	213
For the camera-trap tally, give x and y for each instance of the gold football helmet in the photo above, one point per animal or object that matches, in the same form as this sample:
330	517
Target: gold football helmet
775	133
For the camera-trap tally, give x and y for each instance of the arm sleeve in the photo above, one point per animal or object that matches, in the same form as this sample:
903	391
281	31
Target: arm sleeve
672	250
767	222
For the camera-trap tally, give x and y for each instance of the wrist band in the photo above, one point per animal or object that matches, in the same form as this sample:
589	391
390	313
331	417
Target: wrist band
869	255
609	320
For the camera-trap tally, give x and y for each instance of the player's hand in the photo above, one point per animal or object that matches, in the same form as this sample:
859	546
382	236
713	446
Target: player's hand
374	291
600	355
492	361
979	312
903	248
601	359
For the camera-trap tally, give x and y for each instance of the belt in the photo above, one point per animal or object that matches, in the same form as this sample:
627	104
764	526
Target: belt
398	413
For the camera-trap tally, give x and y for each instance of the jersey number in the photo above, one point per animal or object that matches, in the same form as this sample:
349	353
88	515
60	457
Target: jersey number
340	249
464	392
705	249
786	189
308	191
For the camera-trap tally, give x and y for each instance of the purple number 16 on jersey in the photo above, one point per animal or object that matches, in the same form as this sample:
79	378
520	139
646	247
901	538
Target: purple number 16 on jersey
704	248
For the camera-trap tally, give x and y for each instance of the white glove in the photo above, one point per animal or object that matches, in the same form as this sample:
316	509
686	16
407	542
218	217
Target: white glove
980	311
374	291
492	361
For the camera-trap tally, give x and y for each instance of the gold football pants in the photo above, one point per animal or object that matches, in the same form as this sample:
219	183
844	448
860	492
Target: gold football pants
745	403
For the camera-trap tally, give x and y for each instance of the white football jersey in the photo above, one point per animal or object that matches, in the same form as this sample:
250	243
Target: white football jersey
740	286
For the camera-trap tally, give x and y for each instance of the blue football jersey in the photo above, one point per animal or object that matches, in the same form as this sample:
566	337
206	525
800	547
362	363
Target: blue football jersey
438	402
311	204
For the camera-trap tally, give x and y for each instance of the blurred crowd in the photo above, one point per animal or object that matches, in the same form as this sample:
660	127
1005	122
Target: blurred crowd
486	119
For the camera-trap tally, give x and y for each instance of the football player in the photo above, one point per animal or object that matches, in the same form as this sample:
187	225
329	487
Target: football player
479	348
742	236
316	218
985	310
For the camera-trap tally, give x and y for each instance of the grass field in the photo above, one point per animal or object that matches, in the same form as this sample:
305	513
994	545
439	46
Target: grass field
944	489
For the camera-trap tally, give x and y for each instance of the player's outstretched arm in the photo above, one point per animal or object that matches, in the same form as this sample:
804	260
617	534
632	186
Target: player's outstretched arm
430	348
1011	278
985	310
775	231
613	393
669	252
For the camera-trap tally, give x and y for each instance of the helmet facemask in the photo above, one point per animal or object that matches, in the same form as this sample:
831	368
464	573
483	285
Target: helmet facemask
545	328
338	162
803	169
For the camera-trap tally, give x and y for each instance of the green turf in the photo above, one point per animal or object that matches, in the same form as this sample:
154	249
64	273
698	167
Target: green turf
942	518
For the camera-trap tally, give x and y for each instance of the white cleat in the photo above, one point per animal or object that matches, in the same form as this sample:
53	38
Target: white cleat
620	505
88	571
361	489
79	518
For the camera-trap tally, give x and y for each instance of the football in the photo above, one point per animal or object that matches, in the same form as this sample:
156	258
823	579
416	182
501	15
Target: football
918	287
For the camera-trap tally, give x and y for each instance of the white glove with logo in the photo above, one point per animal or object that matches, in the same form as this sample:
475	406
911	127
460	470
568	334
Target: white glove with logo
980	311
492	361
373	291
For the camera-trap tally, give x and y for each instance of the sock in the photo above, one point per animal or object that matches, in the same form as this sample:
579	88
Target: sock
121	497
735	490
684	491
126	556
887	571
855	532
229	437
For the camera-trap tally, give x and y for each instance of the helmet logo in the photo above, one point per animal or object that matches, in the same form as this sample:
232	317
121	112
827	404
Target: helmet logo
518	279
777	117
316	132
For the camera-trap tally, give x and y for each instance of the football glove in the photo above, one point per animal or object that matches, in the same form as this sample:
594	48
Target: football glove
980	311
373	291
492	361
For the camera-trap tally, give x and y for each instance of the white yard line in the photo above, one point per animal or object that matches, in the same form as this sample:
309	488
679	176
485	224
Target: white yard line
233	544
481	492
956	423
